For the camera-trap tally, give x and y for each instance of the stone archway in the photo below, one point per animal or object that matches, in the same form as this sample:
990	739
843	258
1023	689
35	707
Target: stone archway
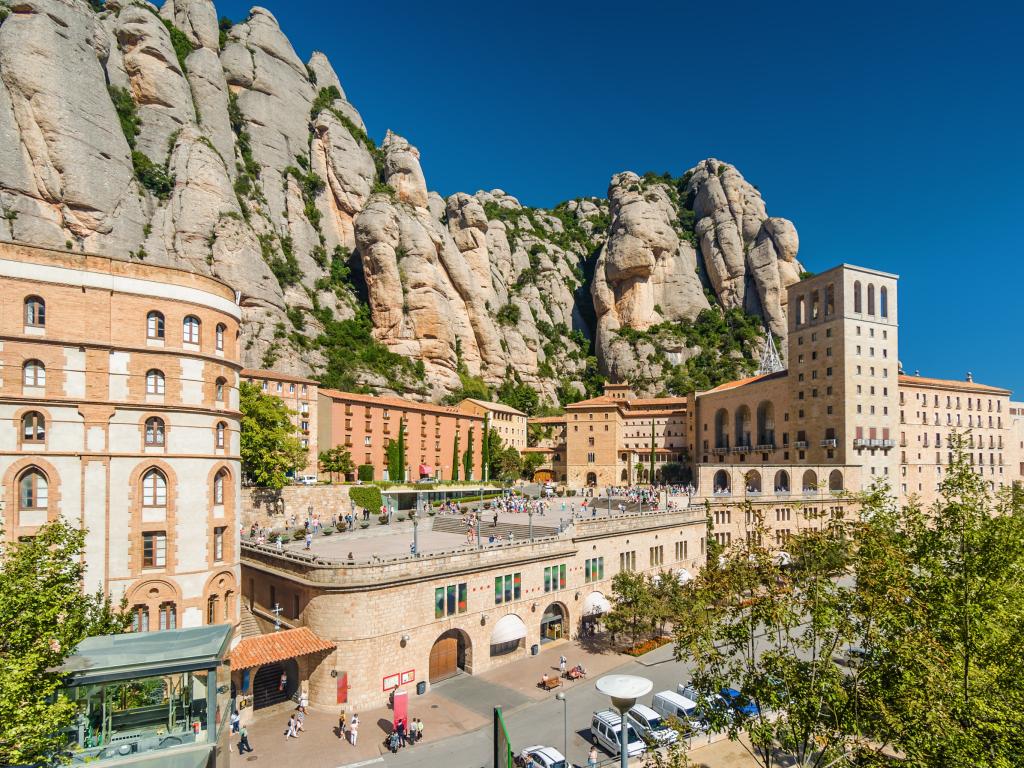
591	478
268	687
450	654
554	623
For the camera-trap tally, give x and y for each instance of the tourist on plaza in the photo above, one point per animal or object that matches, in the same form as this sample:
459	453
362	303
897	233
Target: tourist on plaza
283	681
353	729
417	726
243	742
235	721
401	732
592	757
341	724
309	540
293	728
562	661
392	741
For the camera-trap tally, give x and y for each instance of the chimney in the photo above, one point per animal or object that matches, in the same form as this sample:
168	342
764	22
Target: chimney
970	376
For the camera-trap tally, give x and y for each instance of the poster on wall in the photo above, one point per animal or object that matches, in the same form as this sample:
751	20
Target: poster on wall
408	677
392	681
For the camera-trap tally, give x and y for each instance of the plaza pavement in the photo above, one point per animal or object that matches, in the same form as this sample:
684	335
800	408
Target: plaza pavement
457	717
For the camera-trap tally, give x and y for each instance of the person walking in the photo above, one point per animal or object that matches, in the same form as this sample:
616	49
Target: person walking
353	729
243	741
401	732
562	661
292	731
341	724
592	757
235	722
309	539
419	729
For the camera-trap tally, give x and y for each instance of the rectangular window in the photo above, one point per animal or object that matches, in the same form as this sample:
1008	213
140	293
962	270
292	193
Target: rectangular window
154	549
450	600
593	569
507	588
218	543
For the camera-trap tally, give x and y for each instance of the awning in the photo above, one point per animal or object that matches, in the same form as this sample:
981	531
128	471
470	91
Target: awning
277	646
508	629
684	575
426	470
595	604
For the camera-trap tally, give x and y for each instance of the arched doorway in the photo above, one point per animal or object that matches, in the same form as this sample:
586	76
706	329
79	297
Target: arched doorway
835	480
450	653
591	478
753	481
782	481
554	623
267	688
721	484
543	476
810	480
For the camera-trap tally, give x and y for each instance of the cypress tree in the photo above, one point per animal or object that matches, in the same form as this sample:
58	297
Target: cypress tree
455	459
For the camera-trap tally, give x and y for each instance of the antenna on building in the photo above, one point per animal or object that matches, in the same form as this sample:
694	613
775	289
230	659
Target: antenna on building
770	360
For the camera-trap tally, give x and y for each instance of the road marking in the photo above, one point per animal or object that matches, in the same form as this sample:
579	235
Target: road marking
364	762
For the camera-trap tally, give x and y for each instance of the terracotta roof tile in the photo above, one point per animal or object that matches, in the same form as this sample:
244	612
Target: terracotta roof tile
924	381
263	373
385	401
287	644
743	382
548	419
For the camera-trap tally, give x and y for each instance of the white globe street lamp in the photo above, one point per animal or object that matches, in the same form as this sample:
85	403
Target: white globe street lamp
624	690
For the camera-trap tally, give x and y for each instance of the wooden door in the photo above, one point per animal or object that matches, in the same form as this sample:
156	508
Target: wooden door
444	658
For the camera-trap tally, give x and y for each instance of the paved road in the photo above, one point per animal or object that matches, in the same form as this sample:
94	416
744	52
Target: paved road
537	722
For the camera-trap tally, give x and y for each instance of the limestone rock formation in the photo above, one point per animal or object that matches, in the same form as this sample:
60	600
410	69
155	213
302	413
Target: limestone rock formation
156	133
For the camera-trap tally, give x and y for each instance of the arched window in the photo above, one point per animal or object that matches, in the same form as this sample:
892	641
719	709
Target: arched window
33	427
721	483
211	610
742	433
229	598
721	428
830	300
34	374
33	490
35	311
218	487
154	325
220	336
782	481
835	480
154	489
856	297
810	480
871	299
765	423
222	429
155	431
219	392
190	329
883	301
800	319
154	382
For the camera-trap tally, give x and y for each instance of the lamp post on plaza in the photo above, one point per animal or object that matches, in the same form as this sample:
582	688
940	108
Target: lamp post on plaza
560	696
624	690
529	512
415	534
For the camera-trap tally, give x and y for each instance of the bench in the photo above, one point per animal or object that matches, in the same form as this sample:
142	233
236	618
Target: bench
550	683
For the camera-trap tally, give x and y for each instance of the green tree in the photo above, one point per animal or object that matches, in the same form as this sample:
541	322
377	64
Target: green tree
652	451
269	446
43	618
455	459
518	395
392	460
485	449
511	465
467	457
531	461
337	461
633	605
401	451
367	496
495	448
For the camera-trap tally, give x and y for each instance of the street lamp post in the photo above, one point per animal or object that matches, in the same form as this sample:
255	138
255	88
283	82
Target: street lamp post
529	512
415	535
560	696
624	690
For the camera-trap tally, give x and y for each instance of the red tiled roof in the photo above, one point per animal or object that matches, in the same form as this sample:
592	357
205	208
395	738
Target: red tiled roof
287	644
743	382
385	401
547	419
923	381
599	400
657	401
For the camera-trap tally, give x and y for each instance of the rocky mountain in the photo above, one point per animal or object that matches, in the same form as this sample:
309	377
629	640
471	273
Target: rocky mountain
167	134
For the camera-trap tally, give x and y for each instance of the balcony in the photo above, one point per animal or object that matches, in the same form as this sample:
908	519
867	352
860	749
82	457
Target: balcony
800	444
765	447
830	442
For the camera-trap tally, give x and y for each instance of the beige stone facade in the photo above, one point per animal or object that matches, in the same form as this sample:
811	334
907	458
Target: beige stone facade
119	412
509	422
931	410
300	396
386	616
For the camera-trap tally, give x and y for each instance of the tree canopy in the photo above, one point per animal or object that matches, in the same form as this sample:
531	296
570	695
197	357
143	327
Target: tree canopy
270	447
43	617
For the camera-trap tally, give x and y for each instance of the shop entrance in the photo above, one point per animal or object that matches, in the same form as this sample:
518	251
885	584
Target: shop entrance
267	686
554	623
448	655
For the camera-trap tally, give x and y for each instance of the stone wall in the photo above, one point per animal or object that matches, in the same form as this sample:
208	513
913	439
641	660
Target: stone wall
267	508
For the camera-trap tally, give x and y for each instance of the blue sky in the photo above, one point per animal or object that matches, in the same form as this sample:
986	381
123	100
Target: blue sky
890	133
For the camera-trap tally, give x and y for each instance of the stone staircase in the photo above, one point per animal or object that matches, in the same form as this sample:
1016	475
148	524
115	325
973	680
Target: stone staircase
520	531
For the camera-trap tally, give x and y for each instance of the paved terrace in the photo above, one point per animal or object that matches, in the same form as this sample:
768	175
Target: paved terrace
391	543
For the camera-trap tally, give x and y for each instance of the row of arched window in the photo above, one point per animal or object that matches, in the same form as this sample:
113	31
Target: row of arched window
883	299
33	374
33	489
33	430
191	330
191	326
744	433
752	481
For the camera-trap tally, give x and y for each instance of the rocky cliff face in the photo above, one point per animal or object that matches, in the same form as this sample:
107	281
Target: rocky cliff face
159	134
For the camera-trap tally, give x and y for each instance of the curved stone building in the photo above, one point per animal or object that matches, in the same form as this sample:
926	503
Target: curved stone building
119	411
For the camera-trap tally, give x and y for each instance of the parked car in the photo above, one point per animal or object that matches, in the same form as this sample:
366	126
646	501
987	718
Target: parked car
713	703
544	757
650	725
306	479
737	702
606	729
684	709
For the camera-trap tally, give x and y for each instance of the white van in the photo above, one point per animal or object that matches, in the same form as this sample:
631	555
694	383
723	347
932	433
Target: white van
672	704
606	730
650	725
